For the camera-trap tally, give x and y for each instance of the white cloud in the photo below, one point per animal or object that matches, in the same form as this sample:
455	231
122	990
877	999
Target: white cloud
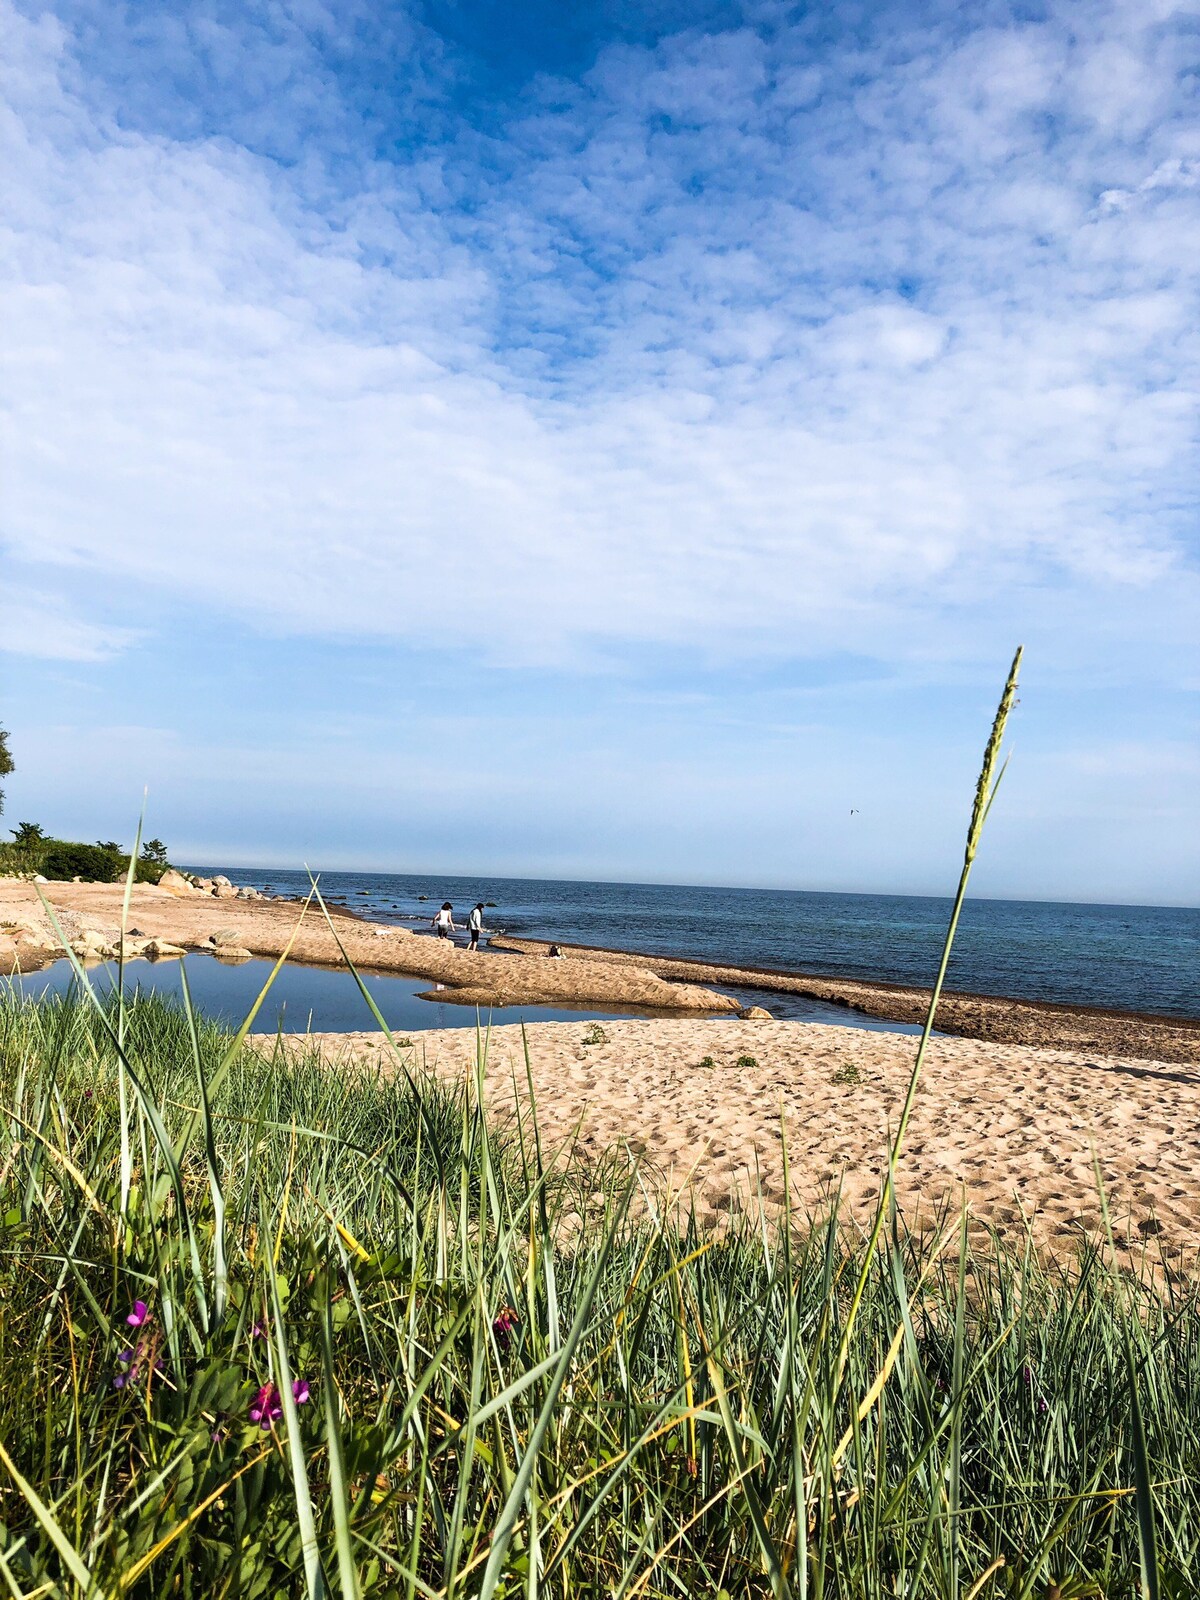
709	347
40	625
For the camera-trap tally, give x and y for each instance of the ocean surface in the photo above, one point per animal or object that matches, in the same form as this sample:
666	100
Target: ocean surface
1132	958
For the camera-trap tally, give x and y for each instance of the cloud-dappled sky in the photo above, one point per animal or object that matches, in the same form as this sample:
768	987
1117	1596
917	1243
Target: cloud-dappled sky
617	445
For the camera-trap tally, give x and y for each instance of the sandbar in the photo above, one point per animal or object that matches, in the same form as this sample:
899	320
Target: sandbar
269	927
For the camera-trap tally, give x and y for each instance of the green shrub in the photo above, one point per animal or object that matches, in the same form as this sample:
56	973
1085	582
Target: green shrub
62	859
96	862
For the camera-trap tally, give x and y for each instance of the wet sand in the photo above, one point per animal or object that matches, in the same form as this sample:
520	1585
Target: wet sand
1009	1127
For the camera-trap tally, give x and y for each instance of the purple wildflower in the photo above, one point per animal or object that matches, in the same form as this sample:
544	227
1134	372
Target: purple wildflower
258	1331
266	1409
503	1325
138	1315
131	1361
301	1392
1043	1406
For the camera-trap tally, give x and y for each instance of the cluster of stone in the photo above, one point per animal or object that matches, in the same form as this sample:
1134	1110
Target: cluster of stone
218	887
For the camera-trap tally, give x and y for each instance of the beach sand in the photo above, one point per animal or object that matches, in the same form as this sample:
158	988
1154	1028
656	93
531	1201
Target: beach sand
1009	1127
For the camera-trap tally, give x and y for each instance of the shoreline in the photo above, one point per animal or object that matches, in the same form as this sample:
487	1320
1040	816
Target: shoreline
511	970
996	1019
184	921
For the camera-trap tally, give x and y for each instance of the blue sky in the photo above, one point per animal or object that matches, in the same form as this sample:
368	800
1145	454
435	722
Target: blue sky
608	440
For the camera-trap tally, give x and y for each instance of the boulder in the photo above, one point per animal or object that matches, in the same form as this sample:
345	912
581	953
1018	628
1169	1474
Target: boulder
233	952
174	882
755	1014
246	892
39	877
159	949
226	936
219	877
224	891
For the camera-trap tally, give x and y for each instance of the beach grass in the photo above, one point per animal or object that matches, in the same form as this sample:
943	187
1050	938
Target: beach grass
492	1399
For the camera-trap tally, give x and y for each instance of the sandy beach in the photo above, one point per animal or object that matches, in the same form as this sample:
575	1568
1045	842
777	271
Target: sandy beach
1010	1127
1009	1118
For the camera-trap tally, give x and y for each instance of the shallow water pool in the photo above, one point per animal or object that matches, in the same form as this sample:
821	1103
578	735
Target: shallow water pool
327	1000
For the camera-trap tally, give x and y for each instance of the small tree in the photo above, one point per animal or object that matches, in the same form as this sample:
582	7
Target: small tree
27	834
155	852
6	763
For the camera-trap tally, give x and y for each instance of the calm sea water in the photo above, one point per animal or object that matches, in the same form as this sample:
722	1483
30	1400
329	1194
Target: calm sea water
1138	958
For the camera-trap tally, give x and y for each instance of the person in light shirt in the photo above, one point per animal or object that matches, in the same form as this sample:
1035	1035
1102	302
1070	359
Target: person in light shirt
443	923
475	926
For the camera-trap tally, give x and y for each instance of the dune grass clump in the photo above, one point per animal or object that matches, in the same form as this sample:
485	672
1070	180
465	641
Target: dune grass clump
270	1329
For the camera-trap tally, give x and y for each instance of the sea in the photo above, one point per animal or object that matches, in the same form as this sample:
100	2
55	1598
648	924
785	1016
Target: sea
1129	958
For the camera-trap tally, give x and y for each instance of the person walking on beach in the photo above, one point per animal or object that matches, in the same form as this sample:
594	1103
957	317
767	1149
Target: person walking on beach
443	923
475	926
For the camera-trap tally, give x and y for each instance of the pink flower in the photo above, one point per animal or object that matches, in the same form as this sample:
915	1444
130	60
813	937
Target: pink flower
138	1315
505	1321
300	1392
266	1409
